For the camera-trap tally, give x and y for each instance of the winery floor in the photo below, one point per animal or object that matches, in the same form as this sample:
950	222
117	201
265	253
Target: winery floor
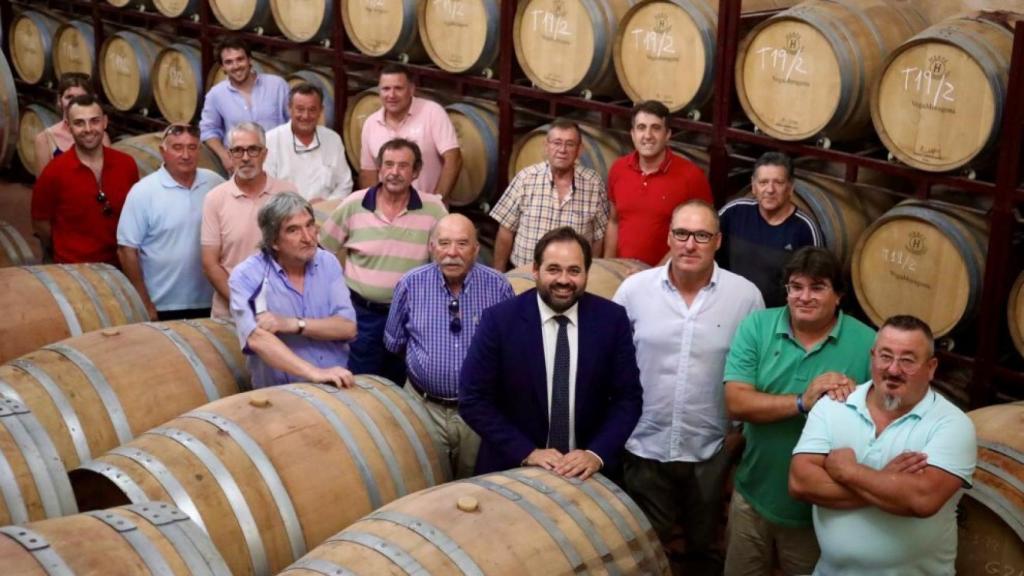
15	201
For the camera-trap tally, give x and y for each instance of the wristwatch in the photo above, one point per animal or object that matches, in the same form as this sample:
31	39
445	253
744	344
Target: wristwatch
302	325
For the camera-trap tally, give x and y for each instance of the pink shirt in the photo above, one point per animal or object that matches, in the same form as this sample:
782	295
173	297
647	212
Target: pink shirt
229	222
427	125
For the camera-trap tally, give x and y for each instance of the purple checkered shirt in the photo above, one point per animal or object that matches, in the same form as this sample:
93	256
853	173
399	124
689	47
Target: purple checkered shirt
419	322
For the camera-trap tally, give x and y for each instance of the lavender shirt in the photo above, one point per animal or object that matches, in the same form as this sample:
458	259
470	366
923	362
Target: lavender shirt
225	107
324	294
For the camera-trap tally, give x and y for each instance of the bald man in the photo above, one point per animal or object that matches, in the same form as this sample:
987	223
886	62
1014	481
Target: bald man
434	313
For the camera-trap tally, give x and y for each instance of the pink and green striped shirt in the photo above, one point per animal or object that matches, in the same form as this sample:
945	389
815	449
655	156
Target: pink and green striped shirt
378	251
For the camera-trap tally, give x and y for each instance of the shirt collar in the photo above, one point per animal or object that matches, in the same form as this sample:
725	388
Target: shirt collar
370	199
546	313
666	277
634	162
311	266
254	84
414	107
237	191
168	181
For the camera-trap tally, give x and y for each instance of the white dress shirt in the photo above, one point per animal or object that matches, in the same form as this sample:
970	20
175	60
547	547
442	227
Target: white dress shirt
318	171
681	353
549	333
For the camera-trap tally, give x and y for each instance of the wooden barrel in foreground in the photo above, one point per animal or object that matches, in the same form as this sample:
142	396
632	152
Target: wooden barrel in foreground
304	20
461	36
665	50
74	49
477	128
45	304
922	258
939	103
272	473
522	521
14	248
1015	313
600	149
94	392
603	279
145	150
8	113
151	538
807	71
178	82
31	43
991	515
383	28
251	15
126	61
566	45
34	119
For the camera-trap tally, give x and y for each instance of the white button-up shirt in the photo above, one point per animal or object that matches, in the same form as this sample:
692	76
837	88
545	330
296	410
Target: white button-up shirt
549	335
318	171
681	353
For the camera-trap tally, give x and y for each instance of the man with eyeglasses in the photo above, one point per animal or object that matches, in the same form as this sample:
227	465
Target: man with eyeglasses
551	194
684	315
646	185
229	231
433	317
158	234
78	197
379	234
781	362
884	469
310	156
761	233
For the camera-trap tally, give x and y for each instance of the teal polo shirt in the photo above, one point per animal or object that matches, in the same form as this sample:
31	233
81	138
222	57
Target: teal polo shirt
869	541
765	354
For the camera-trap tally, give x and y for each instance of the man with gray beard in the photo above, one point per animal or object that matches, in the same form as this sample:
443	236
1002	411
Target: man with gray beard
884	469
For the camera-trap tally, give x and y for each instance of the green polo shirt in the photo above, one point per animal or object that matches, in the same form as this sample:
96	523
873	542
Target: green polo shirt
765	355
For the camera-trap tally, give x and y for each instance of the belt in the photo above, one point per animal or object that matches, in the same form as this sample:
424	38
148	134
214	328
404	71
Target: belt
358	300
446	402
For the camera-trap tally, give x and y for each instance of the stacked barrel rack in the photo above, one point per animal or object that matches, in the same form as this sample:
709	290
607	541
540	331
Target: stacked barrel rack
993	377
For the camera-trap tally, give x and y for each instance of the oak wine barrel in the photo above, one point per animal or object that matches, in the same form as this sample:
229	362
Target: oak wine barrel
922	258
1015	314
272	473
939	103
34	119
94	392
177	82
600	149
9	117
151	538
476	126
254	15
991	514
535	522
603	279
74	49
31	43
177	8
145	150
566	45
322	78
303	20
665	50
807	71
126	61
461	36
14	248
45	304
359	108
140	5
383	28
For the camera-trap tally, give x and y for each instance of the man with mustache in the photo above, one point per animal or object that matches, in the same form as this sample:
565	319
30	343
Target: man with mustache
379	234
884	469
78	197
781	362
291	308
551	378
434	315
229	233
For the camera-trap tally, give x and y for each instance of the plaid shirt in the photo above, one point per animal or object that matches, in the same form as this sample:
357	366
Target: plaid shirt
530	208
419	322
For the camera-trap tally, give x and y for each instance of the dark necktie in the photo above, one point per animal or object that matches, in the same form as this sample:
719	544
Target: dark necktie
558	431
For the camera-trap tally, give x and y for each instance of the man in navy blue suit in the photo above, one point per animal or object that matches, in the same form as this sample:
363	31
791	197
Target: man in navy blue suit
551	377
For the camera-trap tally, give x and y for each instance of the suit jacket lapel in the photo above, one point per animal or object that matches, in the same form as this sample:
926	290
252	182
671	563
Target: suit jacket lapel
584	362
537	371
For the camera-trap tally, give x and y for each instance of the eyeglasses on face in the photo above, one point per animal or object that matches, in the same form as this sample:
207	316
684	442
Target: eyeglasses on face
699	236
907	364
108	210
817	288
250	151
455	325
567	144
178	129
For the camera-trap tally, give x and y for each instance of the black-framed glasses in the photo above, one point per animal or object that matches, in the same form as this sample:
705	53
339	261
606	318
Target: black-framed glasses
108	210
455	324
250	151
305	149
177	129
699	236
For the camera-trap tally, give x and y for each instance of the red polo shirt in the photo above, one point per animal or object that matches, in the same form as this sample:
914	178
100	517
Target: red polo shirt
65	195
644	202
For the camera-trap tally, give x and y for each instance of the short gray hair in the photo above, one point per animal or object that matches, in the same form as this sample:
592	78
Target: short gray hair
250	127
281	207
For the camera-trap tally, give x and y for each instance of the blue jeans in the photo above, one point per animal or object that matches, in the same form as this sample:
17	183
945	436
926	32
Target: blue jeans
367	354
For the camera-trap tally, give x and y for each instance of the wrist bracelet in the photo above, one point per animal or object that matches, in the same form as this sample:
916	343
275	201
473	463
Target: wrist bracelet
800	408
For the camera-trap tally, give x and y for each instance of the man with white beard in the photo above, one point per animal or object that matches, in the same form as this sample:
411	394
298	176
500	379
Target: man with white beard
884	469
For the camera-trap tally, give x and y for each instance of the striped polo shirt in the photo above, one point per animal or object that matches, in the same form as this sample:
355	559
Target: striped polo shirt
379	251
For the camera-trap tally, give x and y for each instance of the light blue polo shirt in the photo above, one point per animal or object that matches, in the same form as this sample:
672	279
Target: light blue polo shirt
868	541
161	219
